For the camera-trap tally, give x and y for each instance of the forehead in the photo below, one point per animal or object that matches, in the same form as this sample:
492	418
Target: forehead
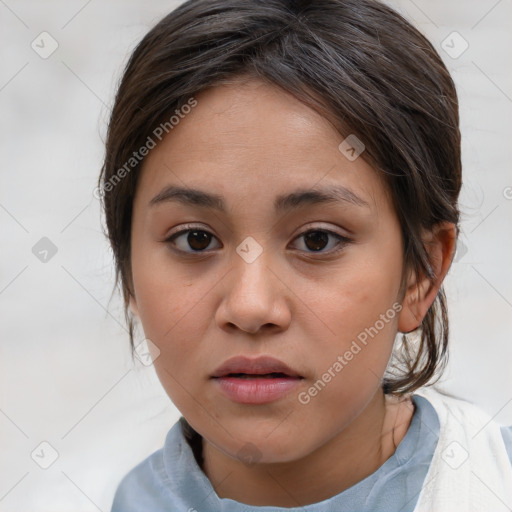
253	139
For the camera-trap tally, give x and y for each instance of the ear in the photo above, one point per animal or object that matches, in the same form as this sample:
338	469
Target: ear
440	244
133	306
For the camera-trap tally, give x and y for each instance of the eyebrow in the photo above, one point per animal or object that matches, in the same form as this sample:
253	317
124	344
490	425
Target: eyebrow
284	203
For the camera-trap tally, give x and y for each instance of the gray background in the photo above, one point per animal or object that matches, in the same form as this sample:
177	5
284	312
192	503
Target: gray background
66	373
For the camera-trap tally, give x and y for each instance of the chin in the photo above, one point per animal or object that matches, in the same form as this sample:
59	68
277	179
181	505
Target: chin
262	449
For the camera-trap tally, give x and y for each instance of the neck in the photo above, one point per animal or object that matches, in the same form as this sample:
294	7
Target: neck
349	457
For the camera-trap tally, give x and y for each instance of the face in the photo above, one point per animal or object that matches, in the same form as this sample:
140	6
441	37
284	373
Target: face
256	271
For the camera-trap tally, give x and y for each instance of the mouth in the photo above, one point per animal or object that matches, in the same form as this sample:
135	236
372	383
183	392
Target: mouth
256	389
273	375
262	367
255	381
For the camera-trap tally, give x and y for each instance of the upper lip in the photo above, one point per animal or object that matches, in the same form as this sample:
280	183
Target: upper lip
257	366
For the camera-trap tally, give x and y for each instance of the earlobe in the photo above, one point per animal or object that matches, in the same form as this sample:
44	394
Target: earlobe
414	306
420	294
133	306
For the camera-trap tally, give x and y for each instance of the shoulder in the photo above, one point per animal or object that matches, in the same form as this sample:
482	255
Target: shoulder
148	485
161	480
447	405
142	487
469	414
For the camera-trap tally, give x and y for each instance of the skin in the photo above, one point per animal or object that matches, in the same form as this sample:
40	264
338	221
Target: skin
250	142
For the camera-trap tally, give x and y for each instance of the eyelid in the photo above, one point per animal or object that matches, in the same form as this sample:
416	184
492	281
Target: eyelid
187	227
321	227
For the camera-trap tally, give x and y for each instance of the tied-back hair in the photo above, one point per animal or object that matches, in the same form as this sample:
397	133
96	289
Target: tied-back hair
359	64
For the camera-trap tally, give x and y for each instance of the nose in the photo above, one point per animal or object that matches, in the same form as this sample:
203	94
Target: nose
255	297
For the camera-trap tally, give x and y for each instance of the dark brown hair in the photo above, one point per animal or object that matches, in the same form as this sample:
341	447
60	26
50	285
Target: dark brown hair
357	62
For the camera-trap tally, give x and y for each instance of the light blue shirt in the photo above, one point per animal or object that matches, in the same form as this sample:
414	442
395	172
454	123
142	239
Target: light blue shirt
171	480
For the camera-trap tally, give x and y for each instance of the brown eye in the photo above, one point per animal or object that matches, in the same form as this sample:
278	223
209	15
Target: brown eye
316	240
191	240
198	240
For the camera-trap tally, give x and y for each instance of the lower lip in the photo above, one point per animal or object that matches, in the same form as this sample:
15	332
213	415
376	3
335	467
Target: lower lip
256	390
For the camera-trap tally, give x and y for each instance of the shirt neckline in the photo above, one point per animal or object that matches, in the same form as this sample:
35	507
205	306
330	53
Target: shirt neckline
184	439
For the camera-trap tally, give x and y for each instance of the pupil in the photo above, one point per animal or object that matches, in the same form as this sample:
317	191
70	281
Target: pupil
198	240
319	240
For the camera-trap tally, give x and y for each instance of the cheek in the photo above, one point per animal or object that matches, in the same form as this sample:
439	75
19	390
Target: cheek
173	318
172	313
348	366
161	296
356	310
354	295
175	310
162	291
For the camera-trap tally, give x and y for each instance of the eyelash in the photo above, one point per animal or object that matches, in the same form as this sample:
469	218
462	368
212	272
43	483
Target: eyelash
340	245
